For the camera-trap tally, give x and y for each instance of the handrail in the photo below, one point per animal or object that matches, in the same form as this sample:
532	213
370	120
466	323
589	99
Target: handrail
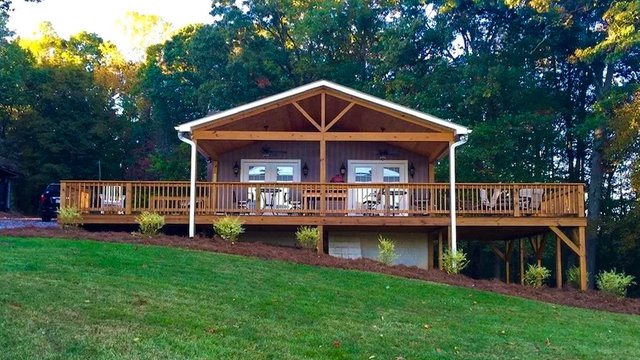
340	199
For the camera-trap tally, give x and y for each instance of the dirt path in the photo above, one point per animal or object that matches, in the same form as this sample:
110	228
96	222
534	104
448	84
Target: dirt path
567	296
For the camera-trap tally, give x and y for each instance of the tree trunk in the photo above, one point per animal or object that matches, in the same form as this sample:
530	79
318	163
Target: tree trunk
595	201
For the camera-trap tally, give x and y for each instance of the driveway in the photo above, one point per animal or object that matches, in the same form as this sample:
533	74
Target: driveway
14	223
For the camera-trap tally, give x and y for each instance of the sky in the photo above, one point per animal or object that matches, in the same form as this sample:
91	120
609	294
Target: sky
101	16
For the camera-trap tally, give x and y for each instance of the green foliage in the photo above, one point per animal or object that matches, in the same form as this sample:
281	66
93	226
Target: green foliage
573	276
150	223
614	283
386	251
536	275
69	217
454	263
228	228
308	237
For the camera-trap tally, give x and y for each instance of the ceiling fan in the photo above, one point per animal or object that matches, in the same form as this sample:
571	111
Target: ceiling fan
269	152
383	154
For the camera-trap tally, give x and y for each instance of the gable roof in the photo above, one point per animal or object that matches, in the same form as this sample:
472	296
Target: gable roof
457	129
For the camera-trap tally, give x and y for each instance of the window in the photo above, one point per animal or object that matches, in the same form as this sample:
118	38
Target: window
270	170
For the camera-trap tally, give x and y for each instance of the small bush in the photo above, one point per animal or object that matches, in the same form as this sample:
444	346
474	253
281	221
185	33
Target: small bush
614	283
536	275
150	223
386	251
307	237
454	264
228	228
69	217
573	276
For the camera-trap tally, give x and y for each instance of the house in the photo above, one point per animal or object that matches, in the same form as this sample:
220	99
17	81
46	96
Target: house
7	173
353	165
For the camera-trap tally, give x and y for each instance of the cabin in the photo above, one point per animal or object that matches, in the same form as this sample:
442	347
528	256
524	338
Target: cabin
354	165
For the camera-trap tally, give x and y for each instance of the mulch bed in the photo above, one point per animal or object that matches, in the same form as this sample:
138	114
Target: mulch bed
567	296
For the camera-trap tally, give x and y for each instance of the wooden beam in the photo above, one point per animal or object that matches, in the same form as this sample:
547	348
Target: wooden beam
257	135
320	243
431	172
307	116
323	176
558	262
214	171
507	260
522	256
497	251
582	240
389	136
323	111
430	254
566	239
312	136
339	116
440	250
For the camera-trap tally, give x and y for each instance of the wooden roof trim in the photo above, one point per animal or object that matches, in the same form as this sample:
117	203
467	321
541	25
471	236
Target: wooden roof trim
313	89
307	116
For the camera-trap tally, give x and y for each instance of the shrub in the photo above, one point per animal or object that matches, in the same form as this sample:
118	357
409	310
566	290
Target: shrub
69	217
150	223
573	276
228	228
453	264
307	237
386	250
614	283
536	275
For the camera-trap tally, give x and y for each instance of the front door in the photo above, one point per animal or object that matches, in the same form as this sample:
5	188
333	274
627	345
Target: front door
373	176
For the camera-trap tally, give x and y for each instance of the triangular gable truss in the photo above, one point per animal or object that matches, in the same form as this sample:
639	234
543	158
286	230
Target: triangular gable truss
294	96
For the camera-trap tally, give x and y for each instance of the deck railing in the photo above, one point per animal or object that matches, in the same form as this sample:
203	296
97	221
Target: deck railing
325	199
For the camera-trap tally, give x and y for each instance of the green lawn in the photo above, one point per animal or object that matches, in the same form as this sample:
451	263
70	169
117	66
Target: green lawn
81	299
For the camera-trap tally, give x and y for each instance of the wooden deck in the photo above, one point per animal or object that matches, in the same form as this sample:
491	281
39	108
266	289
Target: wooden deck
406	204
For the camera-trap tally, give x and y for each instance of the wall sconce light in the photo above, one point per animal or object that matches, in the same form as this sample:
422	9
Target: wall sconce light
305	170
236	169
412	170
343	170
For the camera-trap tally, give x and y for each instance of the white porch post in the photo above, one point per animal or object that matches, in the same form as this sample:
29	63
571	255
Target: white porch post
192	187
452	193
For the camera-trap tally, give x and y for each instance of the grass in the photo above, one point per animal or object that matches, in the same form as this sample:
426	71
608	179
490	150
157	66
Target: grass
64	299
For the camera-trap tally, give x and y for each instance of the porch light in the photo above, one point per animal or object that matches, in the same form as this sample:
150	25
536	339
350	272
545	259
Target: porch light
412	170
236	169
343	170
305	170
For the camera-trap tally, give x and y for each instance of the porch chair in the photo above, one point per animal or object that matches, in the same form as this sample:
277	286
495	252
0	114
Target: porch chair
372	201
112	199
490	204
239	204
292	204
531	199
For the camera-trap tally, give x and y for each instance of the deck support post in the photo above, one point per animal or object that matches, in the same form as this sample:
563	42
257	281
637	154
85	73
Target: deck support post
320	243
583	258
440	250
558	262
522	256
430	254
507	260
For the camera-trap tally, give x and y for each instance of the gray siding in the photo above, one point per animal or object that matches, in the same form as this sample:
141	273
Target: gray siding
308	152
